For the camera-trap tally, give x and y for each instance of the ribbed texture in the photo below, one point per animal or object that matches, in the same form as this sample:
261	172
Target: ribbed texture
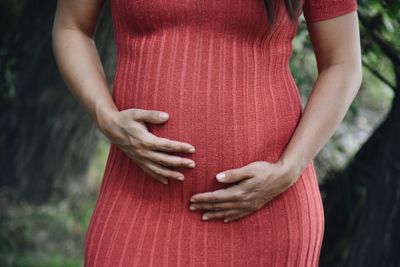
223	76
316	10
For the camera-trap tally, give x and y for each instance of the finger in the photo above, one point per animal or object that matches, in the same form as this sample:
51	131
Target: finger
221	214
155	176
237	216
220	195
163	171
217	206
234	175
151	116
154	142
167	160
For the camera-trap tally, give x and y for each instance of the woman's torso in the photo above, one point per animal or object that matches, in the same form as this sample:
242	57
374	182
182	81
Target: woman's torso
220	72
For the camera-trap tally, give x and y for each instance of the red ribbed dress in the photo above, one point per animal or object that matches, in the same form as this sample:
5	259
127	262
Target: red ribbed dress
223	76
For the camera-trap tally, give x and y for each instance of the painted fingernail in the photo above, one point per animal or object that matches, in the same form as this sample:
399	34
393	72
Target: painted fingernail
205	217
220	176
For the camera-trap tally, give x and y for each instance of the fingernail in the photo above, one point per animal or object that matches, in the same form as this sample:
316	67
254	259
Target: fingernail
163	115
191	149
191	164
220	176
205	217
192	208
180	177
165	182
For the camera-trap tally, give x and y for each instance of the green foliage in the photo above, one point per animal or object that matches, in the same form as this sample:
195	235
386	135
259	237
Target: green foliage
384	15
48	235
367	110
51	234
302	62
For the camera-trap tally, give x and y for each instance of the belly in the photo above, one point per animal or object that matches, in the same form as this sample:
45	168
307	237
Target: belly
227	99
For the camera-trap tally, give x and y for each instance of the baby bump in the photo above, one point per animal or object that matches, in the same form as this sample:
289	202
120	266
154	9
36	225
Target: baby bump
226	133
230	122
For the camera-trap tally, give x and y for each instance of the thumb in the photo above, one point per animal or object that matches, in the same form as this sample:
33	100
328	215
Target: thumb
151	116
233	175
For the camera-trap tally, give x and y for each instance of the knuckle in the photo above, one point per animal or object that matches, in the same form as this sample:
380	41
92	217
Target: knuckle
241	194
181	162
246	196
172	162
224	206
245	204
172	175
157	171
161	161
182	147
163	142
226	213
168	145
214	199
147	142
236	197
134	112
141	152
250	170
251	203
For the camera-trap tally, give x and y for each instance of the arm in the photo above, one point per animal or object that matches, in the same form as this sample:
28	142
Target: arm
77	56
337	49
79	64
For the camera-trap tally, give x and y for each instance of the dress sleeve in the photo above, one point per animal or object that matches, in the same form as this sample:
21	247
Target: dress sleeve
316	10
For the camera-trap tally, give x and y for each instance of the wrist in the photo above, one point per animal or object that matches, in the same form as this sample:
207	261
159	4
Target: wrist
292	166
104	117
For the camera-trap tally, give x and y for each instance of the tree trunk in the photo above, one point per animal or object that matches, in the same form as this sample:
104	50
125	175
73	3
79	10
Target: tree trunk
47	138
362	203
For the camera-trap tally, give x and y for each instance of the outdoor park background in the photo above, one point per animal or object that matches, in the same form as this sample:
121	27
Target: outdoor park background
52	156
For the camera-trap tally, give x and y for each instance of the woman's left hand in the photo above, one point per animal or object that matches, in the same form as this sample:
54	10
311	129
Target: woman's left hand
260	181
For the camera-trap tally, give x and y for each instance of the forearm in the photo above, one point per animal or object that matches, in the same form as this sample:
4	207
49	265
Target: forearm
82	71
331	97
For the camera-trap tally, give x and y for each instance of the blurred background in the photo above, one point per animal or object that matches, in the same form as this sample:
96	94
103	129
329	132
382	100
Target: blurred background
52	156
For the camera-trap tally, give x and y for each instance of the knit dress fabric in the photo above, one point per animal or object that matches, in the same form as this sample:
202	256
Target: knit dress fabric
222	73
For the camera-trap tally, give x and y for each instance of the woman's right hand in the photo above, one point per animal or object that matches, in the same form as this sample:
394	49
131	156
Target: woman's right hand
127	129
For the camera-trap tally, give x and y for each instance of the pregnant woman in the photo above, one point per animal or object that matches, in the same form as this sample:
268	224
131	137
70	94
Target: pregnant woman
211	157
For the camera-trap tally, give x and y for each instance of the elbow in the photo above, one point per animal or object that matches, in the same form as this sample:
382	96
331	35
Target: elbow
353	74
55	39
54	35
350	70
55	32
357	73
